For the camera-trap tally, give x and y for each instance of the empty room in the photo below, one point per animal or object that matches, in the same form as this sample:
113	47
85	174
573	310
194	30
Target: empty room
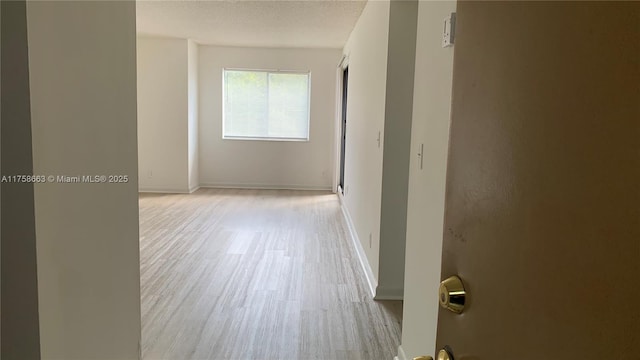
261	180
245	252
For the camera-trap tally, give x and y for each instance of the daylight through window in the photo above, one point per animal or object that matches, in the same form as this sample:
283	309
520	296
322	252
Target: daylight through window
265	105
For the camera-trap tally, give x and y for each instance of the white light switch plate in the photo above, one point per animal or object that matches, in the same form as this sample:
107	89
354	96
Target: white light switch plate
449	30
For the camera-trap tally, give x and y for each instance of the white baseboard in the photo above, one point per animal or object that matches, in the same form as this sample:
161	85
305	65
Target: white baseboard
401	354
160	189
362	256
169	190
383	293
266	186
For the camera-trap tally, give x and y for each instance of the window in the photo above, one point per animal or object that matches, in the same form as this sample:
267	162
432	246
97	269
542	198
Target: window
265	105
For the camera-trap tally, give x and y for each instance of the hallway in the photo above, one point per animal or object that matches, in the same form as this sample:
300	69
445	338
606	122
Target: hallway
256	274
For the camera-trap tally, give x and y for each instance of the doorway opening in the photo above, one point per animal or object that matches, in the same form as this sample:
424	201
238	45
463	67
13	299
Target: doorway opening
343	137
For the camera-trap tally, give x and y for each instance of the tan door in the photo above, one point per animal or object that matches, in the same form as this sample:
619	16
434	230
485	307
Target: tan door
542	219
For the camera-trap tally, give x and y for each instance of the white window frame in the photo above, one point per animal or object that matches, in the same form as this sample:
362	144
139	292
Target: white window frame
267	138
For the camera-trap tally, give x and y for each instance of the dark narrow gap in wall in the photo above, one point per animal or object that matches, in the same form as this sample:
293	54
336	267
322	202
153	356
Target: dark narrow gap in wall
20	334
343	137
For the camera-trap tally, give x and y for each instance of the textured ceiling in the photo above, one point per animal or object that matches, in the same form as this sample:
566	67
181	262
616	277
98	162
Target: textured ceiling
311	24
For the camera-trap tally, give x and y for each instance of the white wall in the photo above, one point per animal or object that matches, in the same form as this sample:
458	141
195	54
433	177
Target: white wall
165	114
82	60
367	52
193	101
425	215
397	138
272	164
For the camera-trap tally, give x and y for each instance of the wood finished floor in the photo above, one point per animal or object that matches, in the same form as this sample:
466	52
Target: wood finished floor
256	274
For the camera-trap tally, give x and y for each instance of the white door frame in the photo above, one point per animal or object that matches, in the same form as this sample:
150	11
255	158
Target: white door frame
342	64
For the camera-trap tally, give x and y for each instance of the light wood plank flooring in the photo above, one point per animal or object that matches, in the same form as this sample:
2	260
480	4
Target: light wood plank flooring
256	274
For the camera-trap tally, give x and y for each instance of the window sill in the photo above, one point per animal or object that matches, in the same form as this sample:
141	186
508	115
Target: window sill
247	138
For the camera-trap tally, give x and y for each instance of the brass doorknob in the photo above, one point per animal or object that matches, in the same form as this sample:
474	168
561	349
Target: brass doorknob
452	295
444	355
